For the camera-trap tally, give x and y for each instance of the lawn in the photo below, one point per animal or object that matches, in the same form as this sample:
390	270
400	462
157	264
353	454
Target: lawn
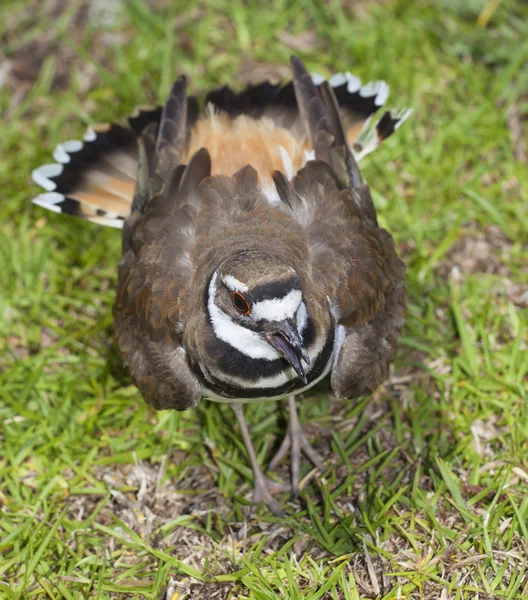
426	491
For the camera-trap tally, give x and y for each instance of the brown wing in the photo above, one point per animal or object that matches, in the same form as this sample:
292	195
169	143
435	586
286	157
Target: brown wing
368	347
355	261
352	258
146	312
155	271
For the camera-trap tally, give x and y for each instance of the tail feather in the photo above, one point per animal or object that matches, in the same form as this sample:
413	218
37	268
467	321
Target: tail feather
56	202
373	133
95	178
319	111
357	102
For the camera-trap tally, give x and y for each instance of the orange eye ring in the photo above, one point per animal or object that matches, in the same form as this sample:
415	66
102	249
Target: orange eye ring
240	303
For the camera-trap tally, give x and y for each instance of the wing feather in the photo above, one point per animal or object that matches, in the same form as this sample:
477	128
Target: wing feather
352	258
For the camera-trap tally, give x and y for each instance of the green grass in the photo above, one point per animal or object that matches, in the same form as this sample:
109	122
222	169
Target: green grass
426	493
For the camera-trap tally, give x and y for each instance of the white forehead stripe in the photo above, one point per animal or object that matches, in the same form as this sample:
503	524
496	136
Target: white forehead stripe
234	284
277	309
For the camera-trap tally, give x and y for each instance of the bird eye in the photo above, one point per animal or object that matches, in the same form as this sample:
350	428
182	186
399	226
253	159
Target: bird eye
240	303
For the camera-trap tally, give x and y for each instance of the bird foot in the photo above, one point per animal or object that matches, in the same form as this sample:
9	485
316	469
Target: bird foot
262	490
304	446
295	443
262	486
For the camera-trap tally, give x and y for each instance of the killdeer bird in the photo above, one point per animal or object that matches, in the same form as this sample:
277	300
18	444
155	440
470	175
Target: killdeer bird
253	264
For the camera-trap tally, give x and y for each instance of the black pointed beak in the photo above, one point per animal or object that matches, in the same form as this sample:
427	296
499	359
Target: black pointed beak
288	343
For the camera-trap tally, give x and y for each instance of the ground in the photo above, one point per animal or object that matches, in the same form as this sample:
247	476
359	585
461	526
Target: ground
425	494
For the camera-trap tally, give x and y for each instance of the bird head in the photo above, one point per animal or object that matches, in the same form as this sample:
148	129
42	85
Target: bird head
255	303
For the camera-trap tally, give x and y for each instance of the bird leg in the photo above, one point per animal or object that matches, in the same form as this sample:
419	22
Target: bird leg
295	442
262	486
